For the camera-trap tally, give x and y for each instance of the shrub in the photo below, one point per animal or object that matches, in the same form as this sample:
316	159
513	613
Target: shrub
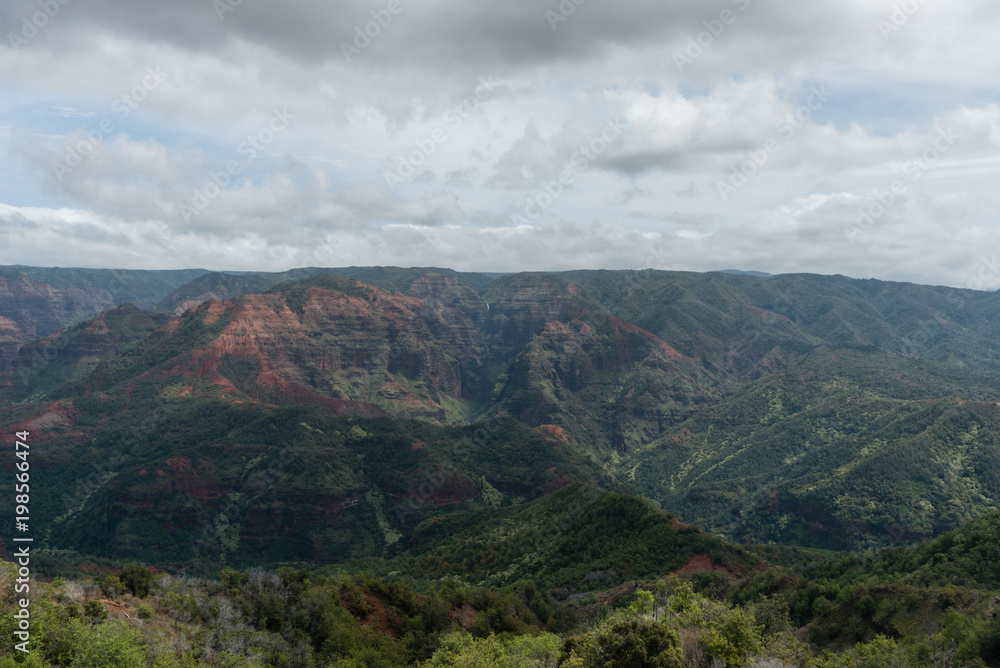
137	580
94	612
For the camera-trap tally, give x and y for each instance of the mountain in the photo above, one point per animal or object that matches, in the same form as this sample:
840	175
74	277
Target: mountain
531	346
111	287
805	460
176	480
231	285
574	540
822	411
35	302
72	354
327	341
217	285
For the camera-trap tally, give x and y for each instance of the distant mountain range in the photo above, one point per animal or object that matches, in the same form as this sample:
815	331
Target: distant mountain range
197	417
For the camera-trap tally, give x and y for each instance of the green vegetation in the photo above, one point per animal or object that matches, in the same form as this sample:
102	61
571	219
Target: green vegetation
807	410
446	469
574	540
201	484
827	464
848	615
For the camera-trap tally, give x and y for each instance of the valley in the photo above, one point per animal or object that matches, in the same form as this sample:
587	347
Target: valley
583	431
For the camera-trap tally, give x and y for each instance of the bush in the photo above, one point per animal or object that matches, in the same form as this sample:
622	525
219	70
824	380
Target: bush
866	606
111	645
733	637
624	644
111	586
94	612
137	580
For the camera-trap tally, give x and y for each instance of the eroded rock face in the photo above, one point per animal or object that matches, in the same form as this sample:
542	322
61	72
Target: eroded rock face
540	351
456	316
534	346
600	376
72	354
403	355
11	340
31	309
523	305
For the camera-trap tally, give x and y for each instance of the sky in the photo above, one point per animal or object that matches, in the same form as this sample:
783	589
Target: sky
854	137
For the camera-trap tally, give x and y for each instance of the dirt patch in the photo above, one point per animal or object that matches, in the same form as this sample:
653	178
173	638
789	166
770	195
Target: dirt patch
100	570
379	616
59	415
700	563
464	616
111	605
556	431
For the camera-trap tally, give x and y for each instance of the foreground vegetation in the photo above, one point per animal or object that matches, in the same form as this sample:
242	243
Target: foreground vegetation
930	606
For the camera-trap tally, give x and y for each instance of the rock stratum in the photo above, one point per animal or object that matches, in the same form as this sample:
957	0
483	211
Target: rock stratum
322	415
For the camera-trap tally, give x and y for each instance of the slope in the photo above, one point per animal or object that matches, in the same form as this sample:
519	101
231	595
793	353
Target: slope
574	540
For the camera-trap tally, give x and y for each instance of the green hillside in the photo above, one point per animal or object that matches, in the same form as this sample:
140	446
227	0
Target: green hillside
176	481
800	460
574	540
822	412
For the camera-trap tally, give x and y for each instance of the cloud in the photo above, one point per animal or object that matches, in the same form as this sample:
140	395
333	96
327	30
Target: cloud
156	187
909	242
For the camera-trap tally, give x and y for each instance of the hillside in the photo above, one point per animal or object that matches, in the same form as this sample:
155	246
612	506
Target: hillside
933	606
37	302
576	539
179	481
819	411
804	460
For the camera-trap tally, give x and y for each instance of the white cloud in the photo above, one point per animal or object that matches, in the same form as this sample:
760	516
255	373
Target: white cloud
316	193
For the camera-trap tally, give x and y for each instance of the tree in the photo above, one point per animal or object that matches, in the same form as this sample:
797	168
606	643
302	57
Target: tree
636	643
94	612
643	603
112	645
138	580
733	637
111	586
490	495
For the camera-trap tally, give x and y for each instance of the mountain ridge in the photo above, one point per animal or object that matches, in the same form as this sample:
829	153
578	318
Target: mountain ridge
750	406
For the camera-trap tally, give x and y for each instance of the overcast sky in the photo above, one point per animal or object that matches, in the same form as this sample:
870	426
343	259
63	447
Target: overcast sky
489	135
